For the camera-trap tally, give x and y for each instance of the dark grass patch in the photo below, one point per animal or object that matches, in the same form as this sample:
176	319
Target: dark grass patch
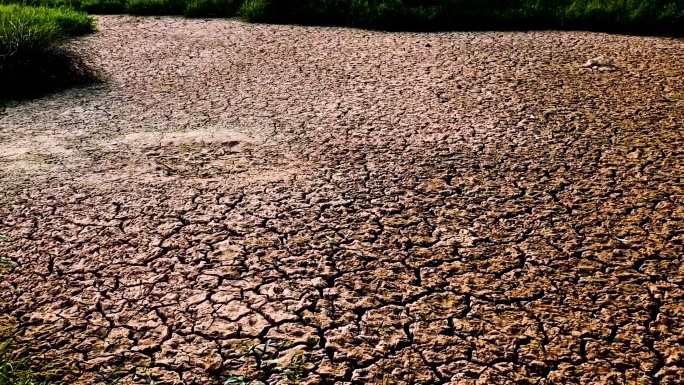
623	16
655	17
21	360
103	7
17	369
212	8
155	7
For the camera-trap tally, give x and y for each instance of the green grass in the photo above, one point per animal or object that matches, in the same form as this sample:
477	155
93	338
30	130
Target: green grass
631	16
34	57
212	8
5	265
63	20
661	17
17	368
155	7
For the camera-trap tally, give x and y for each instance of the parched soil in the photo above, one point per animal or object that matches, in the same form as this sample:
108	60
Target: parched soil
336	206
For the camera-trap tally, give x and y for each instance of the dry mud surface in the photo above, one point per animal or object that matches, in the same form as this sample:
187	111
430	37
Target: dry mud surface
335	206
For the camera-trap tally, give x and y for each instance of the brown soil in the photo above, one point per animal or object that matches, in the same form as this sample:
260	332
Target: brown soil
451	208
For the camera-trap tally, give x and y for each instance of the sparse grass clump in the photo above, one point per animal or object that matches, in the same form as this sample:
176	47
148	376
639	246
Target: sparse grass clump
5	265
17	369
34	56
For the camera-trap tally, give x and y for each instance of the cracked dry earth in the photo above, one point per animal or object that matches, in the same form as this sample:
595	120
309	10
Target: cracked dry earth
361	207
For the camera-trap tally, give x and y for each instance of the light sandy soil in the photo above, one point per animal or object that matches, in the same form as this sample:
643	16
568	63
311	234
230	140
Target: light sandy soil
362	207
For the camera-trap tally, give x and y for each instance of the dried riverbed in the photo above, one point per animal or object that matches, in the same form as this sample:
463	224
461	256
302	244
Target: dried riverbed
378	208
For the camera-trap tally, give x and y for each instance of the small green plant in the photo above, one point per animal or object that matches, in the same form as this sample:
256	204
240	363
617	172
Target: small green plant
240	380
235	380
17	369
294	371
5	265
264	353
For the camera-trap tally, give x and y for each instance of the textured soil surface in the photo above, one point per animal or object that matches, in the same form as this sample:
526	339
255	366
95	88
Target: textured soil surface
335	206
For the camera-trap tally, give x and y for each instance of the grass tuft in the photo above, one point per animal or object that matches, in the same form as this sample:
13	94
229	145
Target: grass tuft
17	369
